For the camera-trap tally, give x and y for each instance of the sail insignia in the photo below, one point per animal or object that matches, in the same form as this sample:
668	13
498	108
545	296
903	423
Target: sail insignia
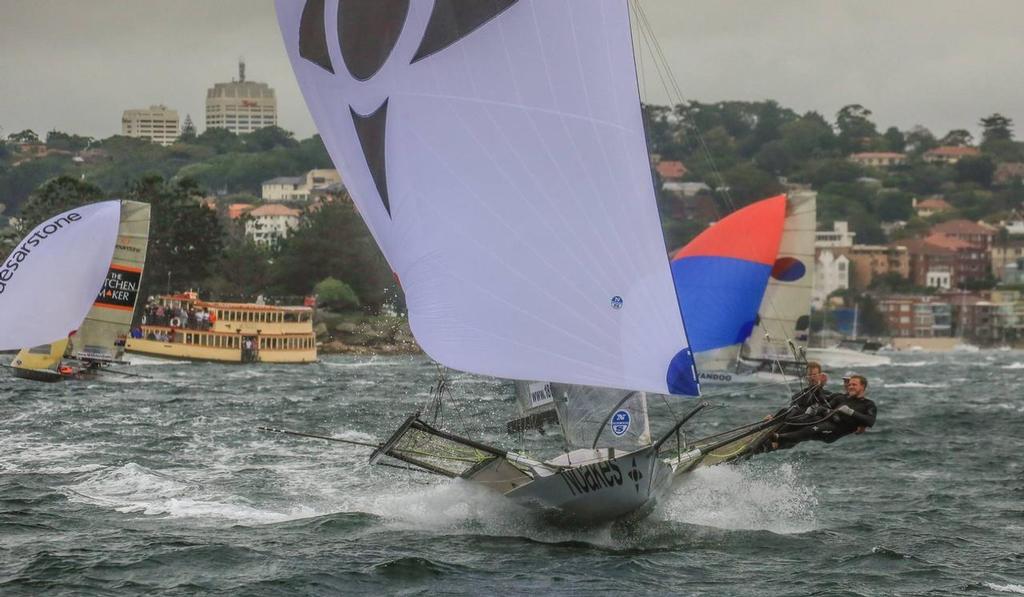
313	36
371	130
452	20
508	186
367	32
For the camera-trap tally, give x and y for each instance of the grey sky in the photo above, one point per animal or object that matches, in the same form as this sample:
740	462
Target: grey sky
76	65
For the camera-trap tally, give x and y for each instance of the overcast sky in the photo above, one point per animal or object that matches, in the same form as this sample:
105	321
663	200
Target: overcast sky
75	65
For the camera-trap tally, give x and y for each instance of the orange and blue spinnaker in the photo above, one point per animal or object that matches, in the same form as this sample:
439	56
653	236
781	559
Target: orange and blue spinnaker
721	275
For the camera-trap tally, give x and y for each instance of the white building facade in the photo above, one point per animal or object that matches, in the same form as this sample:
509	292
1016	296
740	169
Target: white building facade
299	188
241	106
158	123
270	224
831	273
839	237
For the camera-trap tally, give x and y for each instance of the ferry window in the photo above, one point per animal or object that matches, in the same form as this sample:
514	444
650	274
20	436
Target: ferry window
188	338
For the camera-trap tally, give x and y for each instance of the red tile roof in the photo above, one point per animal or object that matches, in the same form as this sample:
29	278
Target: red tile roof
275	210
962	227
934	204
670	170
235	210
953	151
879	155
947	242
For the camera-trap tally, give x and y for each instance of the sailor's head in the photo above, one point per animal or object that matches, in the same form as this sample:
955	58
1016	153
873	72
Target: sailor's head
814	374
855	385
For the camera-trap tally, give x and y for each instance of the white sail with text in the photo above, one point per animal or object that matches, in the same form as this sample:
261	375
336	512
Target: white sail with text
49	281
497	153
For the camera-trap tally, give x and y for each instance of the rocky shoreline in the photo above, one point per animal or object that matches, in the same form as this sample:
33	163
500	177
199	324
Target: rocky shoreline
364	335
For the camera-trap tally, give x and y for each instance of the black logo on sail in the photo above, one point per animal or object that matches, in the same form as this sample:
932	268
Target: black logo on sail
367	33
120	288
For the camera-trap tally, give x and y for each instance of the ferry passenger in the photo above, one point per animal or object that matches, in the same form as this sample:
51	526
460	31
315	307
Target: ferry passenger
847	413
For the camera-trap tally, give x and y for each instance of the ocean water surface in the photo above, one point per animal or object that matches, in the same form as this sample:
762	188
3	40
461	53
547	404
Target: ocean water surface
164	486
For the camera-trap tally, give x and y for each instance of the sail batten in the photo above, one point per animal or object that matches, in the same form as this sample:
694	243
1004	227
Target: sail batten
513	196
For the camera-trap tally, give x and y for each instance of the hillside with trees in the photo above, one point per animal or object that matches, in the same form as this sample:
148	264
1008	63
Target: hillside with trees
741	151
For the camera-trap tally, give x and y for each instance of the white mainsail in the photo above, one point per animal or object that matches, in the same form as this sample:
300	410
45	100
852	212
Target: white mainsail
496	151
102	334
786	307
50	280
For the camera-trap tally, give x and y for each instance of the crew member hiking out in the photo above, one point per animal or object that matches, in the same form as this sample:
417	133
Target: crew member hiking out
843	414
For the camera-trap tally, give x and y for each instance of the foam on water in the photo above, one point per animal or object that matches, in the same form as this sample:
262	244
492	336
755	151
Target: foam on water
748	496
913	363
915	384
133	488
1014	365
1009	588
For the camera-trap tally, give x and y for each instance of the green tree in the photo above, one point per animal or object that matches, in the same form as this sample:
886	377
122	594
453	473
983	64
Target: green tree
188	130
56	196
894	140
748	183
220	140
856	130
16	184
894	206
808	136
335	295
957	138
268	138
185	236
333	242
67	142
996	128
919	140
25	136
978	170
242	269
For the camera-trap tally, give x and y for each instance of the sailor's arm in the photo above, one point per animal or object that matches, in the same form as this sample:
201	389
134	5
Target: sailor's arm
864	419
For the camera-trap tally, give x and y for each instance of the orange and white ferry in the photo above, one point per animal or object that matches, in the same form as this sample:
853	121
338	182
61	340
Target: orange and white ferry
181	326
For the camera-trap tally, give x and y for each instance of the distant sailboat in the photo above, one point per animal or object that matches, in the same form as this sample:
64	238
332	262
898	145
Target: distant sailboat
496	150
98	338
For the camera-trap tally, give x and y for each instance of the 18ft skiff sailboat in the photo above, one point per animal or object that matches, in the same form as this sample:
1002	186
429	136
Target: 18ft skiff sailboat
496	151
69	290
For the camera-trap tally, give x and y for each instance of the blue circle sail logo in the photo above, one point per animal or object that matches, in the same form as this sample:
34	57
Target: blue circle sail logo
620	422
616	302
788	269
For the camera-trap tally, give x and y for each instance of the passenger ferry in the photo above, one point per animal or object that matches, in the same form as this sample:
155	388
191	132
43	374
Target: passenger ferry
181	326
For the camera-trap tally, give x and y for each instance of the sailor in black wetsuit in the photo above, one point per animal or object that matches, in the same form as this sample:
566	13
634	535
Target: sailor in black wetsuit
845	414
814	396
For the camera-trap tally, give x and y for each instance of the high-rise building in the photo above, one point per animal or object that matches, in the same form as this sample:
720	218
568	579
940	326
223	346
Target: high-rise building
241	106
159	124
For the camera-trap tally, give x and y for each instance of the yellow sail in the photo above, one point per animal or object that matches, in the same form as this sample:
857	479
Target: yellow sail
102	334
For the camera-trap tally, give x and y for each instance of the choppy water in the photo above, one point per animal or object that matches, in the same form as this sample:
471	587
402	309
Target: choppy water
164	486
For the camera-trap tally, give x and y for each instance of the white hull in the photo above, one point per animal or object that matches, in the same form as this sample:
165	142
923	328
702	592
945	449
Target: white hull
598	489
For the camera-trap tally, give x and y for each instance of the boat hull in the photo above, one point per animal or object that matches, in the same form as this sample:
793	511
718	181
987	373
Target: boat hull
45	375
599	490
177	350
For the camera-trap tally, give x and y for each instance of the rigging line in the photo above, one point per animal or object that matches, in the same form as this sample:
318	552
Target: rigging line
315	436
648	32
677	99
